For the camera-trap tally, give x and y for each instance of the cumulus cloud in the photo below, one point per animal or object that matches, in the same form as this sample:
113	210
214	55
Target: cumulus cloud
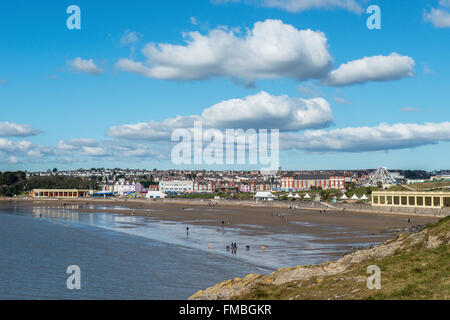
129	38
74	144
428	70
311	90
340	100
87	147
80	65
270	50
23	149
10	129
303	5
255	111
376	68
13	160
360	139
266	111
13	146
194	21
444	3
439	18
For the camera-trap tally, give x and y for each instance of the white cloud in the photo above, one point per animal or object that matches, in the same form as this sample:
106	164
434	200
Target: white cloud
87	147
360	139
311	90
9	160
376	68
270	50
194	21
438	17
302	5
13	160
10	129
341	100
130	38
428	70
260	111
9	146
23	149
80	65
93	151
444	3
75	144
266	111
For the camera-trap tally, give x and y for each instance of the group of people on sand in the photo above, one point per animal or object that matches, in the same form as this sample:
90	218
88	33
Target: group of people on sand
280	215
233	247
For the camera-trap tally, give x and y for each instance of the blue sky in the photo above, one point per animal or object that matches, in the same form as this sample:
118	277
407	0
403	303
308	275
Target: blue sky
65	98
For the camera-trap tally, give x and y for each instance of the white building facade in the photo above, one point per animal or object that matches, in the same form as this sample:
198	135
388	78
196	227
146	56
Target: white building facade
176	186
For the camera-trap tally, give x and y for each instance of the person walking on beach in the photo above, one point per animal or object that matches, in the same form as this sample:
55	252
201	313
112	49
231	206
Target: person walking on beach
233	248
187	230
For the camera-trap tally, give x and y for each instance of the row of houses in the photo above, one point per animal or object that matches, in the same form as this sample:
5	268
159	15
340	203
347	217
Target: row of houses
293	182
289	182
189	186
123	187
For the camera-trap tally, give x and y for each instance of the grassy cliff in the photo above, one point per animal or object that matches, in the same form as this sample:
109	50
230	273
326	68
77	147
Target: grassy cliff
413	266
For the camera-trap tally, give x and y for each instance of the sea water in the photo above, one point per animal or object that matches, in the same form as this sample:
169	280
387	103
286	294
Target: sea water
127	257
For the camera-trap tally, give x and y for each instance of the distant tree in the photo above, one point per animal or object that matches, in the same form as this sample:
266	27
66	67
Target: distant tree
12	183
349	186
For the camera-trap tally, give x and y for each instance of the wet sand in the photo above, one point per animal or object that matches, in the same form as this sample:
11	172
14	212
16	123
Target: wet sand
359	226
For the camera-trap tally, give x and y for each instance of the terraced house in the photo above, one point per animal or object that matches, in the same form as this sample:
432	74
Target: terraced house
292	182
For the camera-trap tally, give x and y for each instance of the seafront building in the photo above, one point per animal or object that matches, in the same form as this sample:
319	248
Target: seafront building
411	199
264	196
59	193
176	186
155	195
295	182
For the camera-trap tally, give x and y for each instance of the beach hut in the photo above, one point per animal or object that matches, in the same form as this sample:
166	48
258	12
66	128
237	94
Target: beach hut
355	197
344	197
364	197
307	196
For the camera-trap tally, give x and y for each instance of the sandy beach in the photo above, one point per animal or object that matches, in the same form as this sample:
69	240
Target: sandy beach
258	220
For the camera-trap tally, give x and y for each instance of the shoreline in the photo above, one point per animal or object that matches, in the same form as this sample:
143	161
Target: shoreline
299	206
329	235
261	219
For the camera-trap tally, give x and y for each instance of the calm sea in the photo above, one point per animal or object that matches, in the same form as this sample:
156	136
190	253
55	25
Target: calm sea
123	257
